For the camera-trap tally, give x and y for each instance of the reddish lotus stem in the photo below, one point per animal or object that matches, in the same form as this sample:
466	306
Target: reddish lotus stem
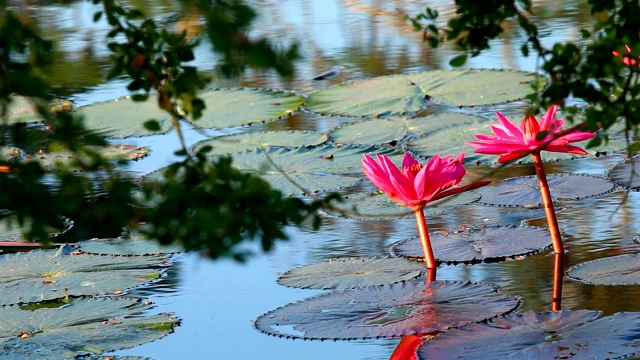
548	204
558	274
429	259
406	349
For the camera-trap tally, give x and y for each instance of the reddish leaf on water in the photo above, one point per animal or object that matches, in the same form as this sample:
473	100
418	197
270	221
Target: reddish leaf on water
387	311
580	334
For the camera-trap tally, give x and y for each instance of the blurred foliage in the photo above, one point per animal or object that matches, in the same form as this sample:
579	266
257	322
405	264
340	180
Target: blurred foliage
207	206
600	70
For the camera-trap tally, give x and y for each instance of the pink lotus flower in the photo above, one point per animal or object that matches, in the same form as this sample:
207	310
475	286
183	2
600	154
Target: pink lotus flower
627	59
511	141
414	185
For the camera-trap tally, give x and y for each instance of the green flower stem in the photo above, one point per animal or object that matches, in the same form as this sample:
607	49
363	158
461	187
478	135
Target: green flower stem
548	204
429	259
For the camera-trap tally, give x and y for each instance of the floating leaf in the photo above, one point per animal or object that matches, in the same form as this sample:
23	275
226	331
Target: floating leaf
474	245
615	270
8	153
124	117
47	274
13	231
390	131
565	334
627	173
524	190
127	246
78	327
351	273
251	140
408	93
47	160
21	110
387	311
377	205
240	106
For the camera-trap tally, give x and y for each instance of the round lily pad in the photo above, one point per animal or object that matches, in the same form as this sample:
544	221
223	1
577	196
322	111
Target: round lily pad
391	131
12	231
614	270
127	247
250	140
580	334
475	245
524	190
409	93
8	153
21	110
351	273
48	274
244	106
387	311
110	152
124	117
78	328
377	205
627	173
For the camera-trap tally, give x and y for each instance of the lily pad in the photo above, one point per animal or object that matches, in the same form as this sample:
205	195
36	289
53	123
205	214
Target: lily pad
8	153
475	245
580	334
124	117
391	131
387	311
12	232
614	270
243	106
524	190
48	274
351	273
627	173
21	110
377	205
251	140
409	93
110	152
78	327
127	247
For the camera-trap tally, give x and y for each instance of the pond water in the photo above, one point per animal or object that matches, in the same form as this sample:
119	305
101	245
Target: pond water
217	301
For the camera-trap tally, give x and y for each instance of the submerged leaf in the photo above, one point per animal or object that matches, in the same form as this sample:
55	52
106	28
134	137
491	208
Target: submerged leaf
474	245
614	270
351	273
387	311
524	190
565	334
74	328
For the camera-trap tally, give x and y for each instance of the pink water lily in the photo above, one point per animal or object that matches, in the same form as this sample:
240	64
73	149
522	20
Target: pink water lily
511	141
415	185
627	59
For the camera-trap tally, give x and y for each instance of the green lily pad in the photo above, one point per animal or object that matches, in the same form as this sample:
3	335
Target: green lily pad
377	205
627	173
351	273
21	110
78	327
8	153
524	190
408	93
474	245
250	140
110	152
127	247
387	311
10	230
580	334
124	117
614	270
242	106
48	274
391	131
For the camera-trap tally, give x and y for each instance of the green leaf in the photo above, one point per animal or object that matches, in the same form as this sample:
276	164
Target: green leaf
613	270
137	246
229	144
458	60
152	125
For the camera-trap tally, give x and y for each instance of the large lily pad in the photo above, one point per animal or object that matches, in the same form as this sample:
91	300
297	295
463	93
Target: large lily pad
250	140
48	160
124	117
351	273
614	270
48	274
78	327
580	334
387	311
408	93
21	110
127	247
377	205
11	231
627	173
524	190
243	106
474	245
390	131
